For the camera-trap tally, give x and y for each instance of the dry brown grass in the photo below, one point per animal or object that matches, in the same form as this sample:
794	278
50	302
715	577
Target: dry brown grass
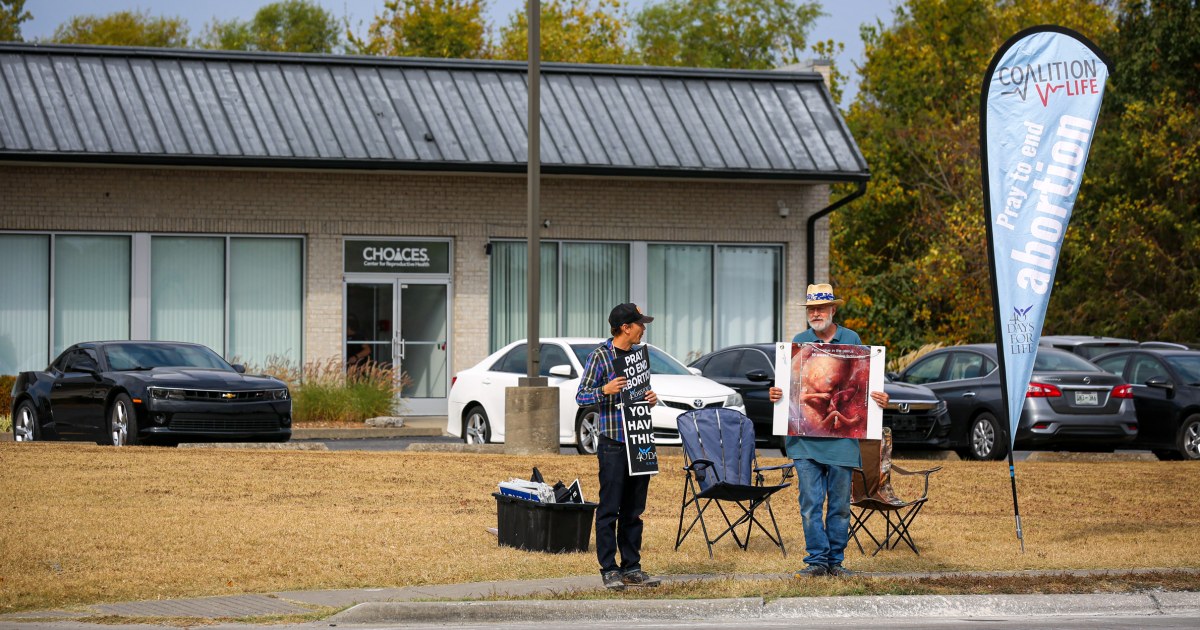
86	524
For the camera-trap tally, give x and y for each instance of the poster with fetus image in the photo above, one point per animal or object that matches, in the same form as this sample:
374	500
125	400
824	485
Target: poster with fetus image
829	390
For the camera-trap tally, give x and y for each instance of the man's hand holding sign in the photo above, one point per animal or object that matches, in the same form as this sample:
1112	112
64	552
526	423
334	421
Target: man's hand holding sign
637	401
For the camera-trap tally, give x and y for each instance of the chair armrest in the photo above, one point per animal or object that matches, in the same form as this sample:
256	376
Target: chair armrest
926	473
787	469
779	467
701	467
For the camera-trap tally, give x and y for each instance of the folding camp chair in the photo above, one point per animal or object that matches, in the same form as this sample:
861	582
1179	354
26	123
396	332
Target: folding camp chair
721	466
871	493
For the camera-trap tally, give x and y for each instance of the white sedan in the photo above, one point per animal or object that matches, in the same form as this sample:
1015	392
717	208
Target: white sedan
476	409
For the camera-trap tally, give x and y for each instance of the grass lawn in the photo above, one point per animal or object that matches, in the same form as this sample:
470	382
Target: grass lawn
88	524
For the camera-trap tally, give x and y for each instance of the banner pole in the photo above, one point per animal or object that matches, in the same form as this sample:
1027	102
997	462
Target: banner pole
1012	476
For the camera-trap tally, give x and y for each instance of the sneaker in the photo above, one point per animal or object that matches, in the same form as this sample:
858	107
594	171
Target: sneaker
838	570
638	577
812	570
612	580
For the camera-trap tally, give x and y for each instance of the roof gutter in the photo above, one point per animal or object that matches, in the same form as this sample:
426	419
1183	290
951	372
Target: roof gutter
860	190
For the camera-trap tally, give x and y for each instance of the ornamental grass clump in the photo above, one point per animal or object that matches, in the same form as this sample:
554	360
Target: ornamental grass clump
327	392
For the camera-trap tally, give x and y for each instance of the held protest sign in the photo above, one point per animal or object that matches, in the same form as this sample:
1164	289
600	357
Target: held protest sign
638	427
828	390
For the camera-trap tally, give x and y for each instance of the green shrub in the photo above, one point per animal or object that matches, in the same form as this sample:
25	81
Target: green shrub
325	392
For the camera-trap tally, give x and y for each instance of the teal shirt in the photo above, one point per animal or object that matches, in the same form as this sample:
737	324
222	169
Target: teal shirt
829	451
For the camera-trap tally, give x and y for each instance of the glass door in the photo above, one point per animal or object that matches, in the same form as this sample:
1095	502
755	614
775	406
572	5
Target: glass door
403	324
422	345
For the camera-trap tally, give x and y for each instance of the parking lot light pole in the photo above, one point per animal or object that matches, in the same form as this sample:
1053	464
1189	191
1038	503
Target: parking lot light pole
531	409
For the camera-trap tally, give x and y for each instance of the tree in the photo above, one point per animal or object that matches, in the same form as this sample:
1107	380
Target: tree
571	31
912	253
12	13
750	34
426	28
1130	264
123	28
287	26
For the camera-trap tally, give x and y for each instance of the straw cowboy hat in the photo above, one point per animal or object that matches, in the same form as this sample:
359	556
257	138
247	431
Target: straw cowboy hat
819	294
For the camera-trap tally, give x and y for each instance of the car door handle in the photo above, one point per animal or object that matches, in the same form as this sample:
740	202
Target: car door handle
968	394
487	381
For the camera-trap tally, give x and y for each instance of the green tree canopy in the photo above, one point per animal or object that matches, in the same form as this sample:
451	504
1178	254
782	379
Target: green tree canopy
911	256
750	34
123	28
287	26
12	13
579	31
453	29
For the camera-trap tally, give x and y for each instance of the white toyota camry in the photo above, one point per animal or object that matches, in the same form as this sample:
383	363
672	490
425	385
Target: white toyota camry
476	409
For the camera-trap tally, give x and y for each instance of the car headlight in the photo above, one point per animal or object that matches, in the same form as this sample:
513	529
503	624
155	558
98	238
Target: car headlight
277	394
162	393
941	407
734	400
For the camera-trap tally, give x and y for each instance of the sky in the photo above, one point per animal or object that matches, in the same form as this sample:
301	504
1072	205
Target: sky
841	24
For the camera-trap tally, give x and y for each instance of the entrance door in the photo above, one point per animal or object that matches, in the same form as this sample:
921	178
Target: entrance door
404	324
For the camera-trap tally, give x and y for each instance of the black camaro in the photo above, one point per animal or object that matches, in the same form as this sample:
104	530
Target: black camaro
133	392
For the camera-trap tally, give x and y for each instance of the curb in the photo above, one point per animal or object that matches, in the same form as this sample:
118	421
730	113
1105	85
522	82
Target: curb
888	606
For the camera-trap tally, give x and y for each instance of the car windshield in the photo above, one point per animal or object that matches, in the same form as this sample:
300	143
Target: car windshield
1051	361
1188	366
136	356
660	362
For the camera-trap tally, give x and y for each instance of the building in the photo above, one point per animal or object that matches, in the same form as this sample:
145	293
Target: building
295	208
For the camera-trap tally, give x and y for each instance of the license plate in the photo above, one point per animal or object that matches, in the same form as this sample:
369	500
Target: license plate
1087	398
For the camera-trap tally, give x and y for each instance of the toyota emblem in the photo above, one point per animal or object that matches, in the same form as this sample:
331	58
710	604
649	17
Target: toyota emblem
698	403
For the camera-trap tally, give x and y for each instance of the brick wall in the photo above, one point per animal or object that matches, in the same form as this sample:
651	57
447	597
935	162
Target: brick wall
325	206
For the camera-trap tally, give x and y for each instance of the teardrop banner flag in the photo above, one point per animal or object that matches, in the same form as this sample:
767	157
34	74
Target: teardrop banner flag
1039	104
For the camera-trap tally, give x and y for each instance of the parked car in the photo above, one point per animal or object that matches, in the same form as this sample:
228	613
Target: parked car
916	416
476	405
1086	346
134	392
1070	403
1166	393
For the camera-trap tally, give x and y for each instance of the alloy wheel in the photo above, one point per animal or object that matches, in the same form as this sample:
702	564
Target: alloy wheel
476	428
589	433
1191	440
23	424
119	423
983	438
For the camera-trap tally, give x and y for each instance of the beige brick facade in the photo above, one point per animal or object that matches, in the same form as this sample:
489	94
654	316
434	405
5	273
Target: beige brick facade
326	206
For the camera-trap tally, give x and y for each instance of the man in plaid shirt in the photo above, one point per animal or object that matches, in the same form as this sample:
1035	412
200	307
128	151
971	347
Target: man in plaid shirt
622	496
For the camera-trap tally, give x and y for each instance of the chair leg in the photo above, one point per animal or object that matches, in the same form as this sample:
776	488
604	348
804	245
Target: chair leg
860	524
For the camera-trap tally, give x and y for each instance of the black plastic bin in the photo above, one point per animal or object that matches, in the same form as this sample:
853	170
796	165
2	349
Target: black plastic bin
552	527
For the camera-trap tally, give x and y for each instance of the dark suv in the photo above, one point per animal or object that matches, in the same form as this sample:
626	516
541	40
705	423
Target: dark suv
916	416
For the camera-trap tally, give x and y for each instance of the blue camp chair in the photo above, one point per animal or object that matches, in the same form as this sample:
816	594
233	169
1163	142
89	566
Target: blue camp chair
721	467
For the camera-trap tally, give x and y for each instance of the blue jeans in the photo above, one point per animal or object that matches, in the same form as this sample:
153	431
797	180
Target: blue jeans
824	539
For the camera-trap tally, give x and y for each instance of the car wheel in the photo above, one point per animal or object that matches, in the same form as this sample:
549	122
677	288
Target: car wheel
1189	438
985	438
476	428
25	423
122	422
587	431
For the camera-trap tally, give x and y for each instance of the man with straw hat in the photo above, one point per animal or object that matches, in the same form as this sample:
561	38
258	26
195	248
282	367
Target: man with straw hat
824	465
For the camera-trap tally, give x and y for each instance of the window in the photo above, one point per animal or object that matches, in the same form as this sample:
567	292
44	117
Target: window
966	365
926	371
723	365
1143	368
1116	364
552	355
755	360
187	290
91	289
515	362
24	302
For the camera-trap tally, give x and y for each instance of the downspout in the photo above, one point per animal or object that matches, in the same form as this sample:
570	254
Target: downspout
812	225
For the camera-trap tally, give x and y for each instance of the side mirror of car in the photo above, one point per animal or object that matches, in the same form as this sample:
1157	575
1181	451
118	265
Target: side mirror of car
239	368
696	371
563	371
892	376
757	376
1160	382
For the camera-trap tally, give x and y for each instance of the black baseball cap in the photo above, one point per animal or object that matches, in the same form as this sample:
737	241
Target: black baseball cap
627	314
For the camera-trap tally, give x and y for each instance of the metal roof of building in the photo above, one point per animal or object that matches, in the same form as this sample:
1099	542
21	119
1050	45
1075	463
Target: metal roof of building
184	107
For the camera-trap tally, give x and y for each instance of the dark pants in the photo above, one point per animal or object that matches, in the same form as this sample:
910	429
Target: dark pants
619	515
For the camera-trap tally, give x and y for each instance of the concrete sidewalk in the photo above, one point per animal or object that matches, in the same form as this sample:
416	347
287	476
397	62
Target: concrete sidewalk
459	603
411	426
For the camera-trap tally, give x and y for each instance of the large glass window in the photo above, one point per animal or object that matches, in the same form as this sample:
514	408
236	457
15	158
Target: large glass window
595	279
187	290
509	275
679	280
748	289
91	289
24	302
265	300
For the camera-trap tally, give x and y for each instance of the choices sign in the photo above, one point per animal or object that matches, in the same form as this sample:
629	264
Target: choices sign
638	426
397	257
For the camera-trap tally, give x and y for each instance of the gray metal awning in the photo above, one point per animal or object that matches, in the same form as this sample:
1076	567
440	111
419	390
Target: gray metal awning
93	104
